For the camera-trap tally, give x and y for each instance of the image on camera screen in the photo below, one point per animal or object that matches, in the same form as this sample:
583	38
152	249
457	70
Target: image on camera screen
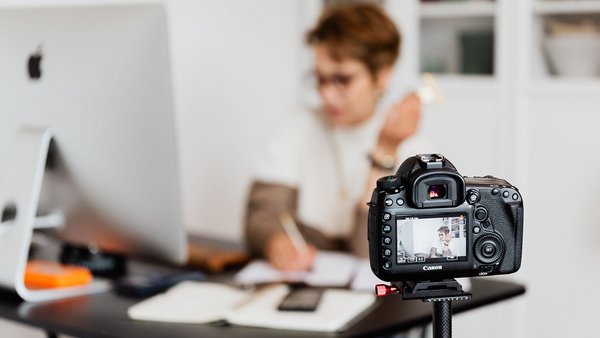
431	239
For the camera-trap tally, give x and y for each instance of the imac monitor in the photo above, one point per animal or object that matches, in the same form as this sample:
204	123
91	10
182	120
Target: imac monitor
99	77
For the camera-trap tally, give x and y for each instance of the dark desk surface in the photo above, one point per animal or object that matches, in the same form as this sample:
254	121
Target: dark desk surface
104	315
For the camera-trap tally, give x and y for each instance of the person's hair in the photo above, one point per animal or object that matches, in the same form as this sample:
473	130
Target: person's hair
444	229
358	31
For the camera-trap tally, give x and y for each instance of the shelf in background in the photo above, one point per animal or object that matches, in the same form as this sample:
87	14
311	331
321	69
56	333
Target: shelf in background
566	7
457	9
462	85
565	86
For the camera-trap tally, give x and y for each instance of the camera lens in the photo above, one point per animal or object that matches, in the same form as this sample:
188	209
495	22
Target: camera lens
436	191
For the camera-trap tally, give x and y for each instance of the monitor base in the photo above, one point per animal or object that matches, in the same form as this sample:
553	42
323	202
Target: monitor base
20	186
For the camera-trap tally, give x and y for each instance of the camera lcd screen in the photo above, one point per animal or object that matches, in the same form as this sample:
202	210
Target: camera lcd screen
431	239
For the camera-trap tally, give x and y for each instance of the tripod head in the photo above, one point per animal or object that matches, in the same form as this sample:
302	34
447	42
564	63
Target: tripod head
428	291
441	293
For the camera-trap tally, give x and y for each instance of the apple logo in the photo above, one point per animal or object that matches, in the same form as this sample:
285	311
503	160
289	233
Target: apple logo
34	64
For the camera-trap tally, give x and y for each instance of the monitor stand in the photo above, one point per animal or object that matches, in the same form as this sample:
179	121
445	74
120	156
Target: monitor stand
20	185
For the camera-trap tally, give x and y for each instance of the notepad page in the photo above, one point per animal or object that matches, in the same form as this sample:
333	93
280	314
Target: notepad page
332	269
365	279
336	309
329	269
189	302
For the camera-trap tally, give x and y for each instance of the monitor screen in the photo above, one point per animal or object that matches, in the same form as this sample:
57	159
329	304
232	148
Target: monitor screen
99	77
431	239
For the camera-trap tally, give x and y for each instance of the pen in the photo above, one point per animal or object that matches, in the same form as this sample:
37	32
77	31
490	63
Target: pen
291	228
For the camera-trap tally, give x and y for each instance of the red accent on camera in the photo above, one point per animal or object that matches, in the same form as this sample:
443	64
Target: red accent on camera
382	290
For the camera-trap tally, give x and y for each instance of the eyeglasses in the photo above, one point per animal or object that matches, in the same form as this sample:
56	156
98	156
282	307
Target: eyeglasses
339	81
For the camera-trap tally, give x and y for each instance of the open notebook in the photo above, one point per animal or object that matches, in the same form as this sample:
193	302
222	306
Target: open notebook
203	302
329	269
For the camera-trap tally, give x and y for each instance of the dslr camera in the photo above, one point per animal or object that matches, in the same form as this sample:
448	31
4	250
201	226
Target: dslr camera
428	222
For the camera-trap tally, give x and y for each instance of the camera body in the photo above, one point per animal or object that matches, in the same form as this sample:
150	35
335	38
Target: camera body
428	222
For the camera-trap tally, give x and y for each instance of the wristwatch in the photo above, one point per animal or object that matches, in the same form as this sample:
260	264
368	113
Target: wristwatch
385	162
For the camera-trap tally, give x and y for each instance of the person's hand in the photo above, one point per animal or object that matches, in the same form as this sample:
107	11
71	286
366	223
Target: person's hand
282	254
401	122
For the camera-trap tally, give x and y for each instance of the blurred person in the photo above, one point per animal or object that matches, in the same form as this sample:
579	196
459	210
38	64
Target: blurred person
442	247
321	166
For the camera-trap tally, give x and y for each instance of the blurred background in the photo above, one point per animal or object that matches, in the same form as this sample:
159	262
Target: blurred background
521	81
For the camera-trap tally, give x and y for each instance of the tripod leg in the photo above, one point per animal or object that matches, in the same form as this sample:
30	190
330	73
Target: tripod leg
442	319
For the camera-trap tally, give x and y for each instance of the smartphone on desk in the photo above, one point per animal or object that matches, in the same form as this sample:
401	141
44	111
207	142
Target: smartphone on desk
304	299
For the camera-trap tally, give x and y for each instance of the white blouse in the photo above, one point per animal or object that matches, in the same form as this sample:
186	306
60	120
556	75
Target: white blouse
328	166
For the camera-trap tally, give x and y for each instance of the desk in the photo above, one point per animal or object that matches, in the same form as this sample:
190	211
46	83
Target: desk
104	315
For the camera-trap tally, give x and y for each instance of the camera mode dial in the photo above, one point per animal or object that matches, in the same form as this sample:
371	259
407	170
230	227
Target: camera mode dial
389	183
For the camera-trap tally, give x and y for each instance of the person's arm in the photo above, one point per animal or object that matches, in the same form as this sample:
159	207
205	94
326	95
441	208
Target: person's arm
265	234
401	122
265	202
433	252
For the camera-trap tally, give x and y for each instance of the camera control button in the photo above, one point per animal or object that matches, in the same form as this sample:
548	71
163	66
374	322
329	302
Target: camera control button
387	228
387	216
481	214
400	202
486	224
389	202
389	183
387	265
505	194
473	196
495	191
387	240
476	230
515	196
489	250
486	268
387	252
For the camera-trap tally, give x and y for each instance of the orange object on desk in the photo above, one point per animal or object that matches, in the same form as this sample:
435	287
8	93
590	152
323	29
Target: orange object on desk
46	274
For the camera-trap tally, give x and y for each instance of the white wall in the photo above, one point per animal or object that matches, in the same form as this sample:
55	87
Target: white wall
562	250
235	71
